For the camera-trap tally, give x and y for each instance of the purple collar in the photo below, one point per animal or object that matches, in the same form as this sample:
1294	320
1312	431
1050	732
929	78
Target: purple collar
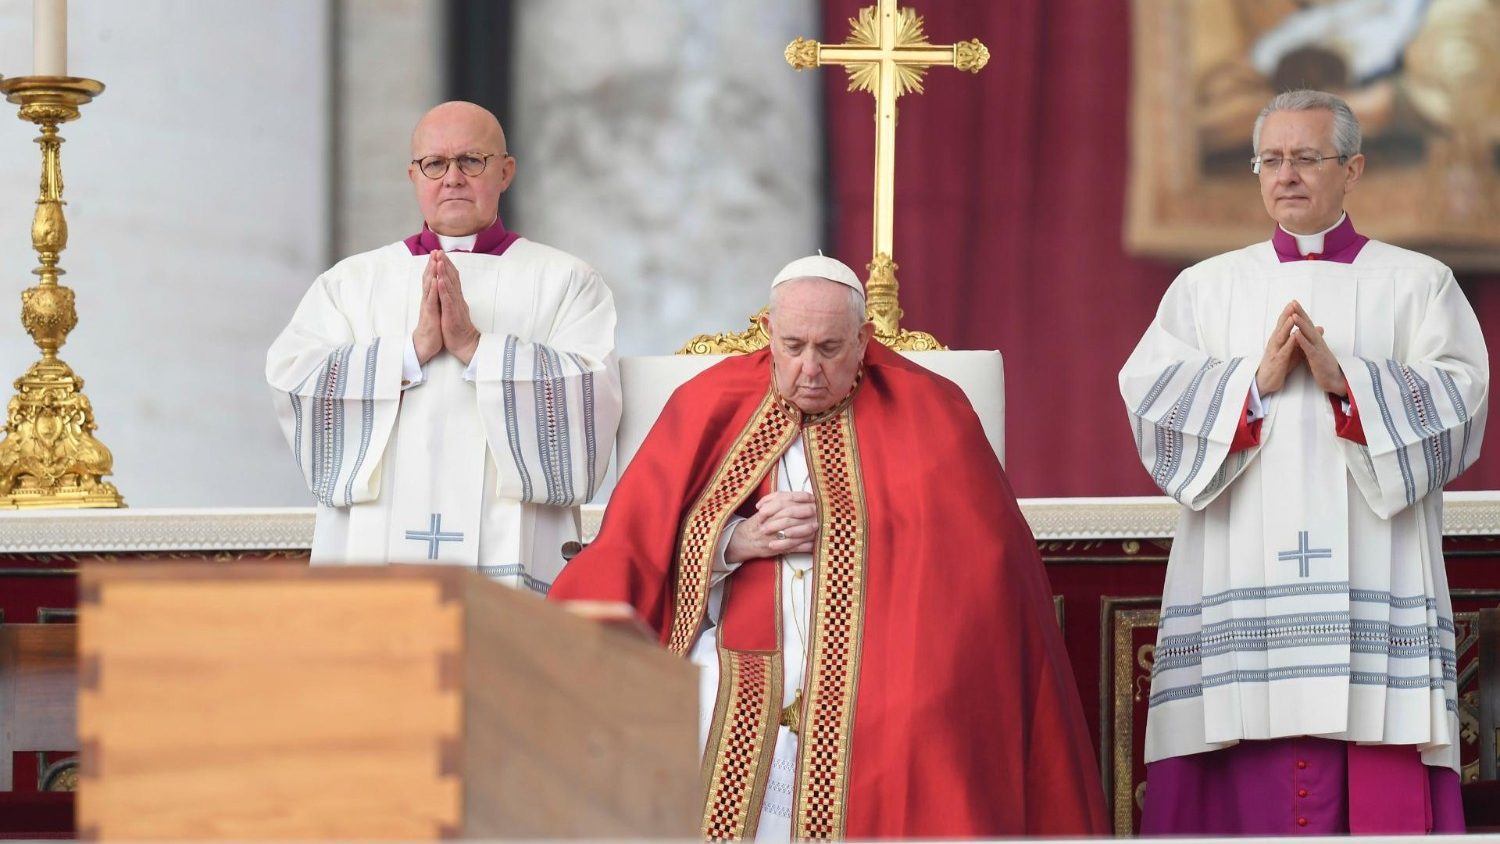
492	241
1340	245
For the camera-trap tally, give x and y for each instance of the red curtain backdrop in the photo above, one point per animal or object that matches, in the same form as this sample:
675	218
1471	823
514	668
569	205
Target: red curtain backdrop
1010	190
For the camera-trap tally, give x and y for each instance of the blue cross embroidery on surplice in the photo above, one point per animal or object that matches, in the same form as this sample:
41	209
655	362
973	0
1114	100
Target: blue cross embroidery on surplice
435	535
1303	554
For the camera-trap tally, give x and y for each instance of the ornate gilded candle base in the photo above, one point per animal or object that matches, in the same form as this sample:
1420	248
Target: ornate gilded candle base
49	456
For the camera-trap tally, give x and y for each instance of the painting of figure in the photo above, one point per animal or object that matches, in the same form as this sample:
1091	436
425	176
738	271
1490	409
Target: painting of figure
1423	76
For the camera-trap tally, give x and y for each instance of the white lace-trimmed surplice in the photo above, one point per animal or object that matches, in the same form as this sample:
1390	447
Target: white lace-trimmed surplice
1306	593
485	473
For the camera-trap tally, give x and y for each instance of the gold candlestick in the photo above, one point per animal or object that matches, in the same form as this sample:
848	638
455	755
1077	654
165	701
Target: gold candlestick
49	456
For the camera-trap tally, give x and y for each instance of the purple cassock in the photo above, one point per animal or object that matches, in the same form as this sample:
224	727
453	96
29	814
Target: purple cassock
1302	785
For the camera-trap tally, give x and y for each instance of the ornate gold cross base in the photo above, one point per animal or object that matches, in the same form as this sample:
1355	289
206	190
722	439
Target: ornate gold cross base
885	310
49	456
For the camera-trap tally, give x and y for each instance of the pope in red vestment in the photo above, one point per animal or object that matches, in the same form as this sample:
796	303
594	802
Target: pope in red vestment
936	697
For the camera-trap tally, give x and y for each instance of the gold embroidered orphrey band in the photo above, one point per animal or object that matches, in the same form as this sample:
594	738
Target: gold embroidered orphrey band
837	632
767	435
736	761
747	713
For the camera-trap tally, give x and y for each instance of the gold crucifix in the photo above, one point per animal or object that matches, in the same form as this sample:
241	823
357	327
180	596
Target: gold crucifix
887	54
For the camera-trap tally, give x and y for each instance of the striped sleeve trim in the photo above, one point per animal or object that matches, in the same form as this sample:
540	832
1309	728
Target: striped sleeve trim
512	422
590	421
366	419
1216	406
1178	449
339	395
1407	481
553	446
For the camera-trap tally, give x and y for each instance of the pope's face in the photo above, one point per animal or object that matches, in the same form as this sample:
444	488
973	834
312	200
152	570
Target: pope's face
1304	198
457	204
817	342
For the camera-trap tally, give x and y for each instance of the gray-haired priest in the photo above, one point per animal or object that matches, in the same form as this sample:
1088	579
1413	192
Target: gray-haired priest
1306	399
453	397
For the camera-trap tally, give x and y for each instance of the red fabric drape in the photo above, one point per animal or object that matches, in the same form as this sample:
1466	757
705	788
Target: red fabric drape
936	721
1010	198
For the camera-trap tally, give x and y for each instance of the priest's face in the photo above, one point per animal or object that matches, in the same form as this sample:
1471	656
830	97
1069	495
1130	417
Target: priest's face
1305	198
818	335
456	203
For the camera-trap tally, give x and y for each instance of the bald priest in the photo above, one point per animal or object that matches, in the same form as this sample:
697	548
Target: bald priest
451	398
824	529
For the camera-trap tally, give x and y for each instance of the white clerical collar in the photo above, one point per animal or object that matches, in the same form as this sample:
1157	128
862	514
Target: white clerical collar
1313	242
465	243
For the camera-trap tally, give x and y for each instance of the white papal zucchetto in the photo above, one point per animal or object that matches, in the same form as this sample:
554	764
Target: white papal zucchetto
819	266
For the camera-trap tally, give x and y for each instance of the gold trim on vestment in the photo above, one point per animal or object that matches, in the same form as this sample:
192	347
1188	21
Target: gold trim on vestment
765	437
740	743
747	713
836	634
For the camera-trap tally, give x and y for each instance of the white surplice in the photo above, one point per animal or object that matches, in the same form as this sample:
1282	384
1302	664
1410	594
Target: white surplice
1305	592
485	470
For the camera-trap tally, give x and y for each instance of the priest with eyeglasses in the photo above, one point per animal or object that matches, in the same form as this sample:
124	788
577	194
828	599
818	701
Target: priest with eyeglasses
1306	399
452	397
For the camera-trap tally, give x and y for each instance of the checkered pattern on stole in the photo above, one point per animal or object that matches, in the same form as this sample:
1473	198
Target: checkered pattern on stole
766	436
837	630
736	777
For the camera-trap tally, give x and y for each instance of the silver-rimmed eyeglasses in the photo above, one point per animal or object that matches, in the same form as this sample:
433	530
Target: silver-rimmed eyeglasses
1269	164
470	163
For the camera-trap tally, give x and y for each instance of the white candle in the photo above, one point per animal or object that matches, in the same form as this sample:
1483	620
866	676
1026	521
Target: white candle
49	36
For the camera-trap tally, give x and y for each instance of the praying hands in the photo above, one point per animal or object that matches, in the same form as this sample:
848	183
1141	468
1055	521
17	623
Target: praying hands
784	523
1295	340
444	322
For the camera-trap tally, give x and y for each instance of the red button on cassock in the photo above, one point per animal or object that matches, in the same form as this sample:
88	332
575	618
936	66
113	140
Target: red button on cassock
1301	792
1302	822
1301	763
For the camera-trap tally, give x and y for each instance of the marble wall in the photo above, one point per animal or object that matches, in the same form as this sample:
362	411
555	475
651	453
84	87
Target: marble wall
377	104
669	144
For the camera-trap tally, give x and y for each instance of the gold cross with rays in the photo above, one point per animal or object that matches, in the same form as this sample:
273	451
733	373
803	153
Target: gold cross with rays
887	54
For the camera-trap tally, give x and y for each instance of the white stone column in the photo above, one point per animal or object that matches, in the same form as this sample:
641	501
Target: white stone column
390	72
669	144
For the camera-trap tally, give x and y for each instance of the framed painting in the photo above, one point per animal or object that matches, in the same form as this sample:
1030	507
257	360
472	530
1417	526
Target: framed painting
1423	76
